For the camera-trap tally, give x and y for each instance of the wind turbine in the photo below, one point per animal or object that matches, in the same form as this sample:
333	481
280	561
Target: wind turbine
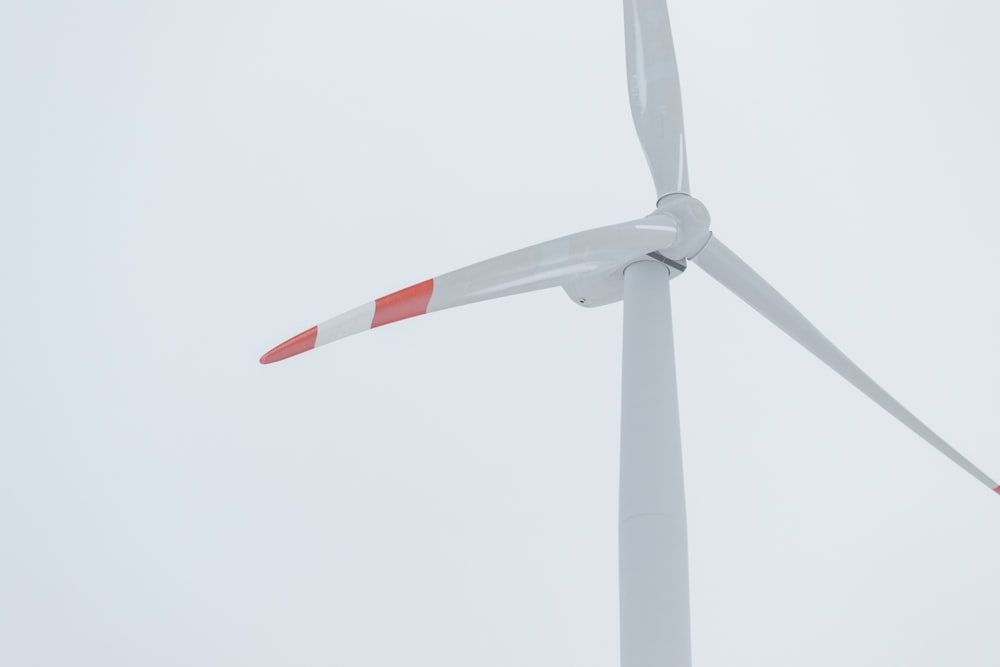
634	261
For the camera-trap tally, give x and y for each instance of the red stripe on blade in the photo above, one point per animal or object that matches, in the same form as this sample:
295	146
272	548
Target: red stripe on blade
303	342
405	303
997	489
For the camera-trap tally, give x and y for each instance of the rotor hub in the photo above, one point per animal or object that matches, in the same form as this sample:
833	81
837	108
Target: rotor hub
693	222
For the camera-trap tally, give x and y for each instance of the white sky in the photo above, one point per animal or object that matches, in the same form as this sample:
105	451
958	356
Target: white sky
185	184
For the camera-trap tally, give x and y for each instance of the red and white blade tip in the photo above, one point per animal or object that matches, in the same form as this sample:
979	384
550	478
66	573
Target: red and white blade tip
997	489
407	302
298	344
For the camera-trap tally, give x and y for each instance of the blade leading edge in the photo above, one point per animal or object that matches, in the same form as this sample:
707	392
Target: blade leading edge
726	267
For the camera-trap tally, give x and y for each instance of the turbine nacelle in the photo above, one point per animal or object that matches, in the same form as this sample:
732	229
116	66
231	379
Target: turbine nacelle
630	242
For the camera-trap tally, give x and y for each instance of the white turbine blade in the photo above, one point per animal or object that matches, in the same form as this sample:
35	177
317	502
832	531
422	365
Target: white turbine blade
655	93
596	253
723	265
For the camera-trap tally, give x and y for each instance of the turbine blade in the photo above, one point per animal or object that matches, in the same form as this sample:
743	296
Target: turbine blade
596	253
655	93
722	264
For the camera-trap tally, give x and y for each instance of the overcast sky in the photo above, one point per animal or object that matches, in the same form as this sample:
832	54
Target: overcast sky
185	184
